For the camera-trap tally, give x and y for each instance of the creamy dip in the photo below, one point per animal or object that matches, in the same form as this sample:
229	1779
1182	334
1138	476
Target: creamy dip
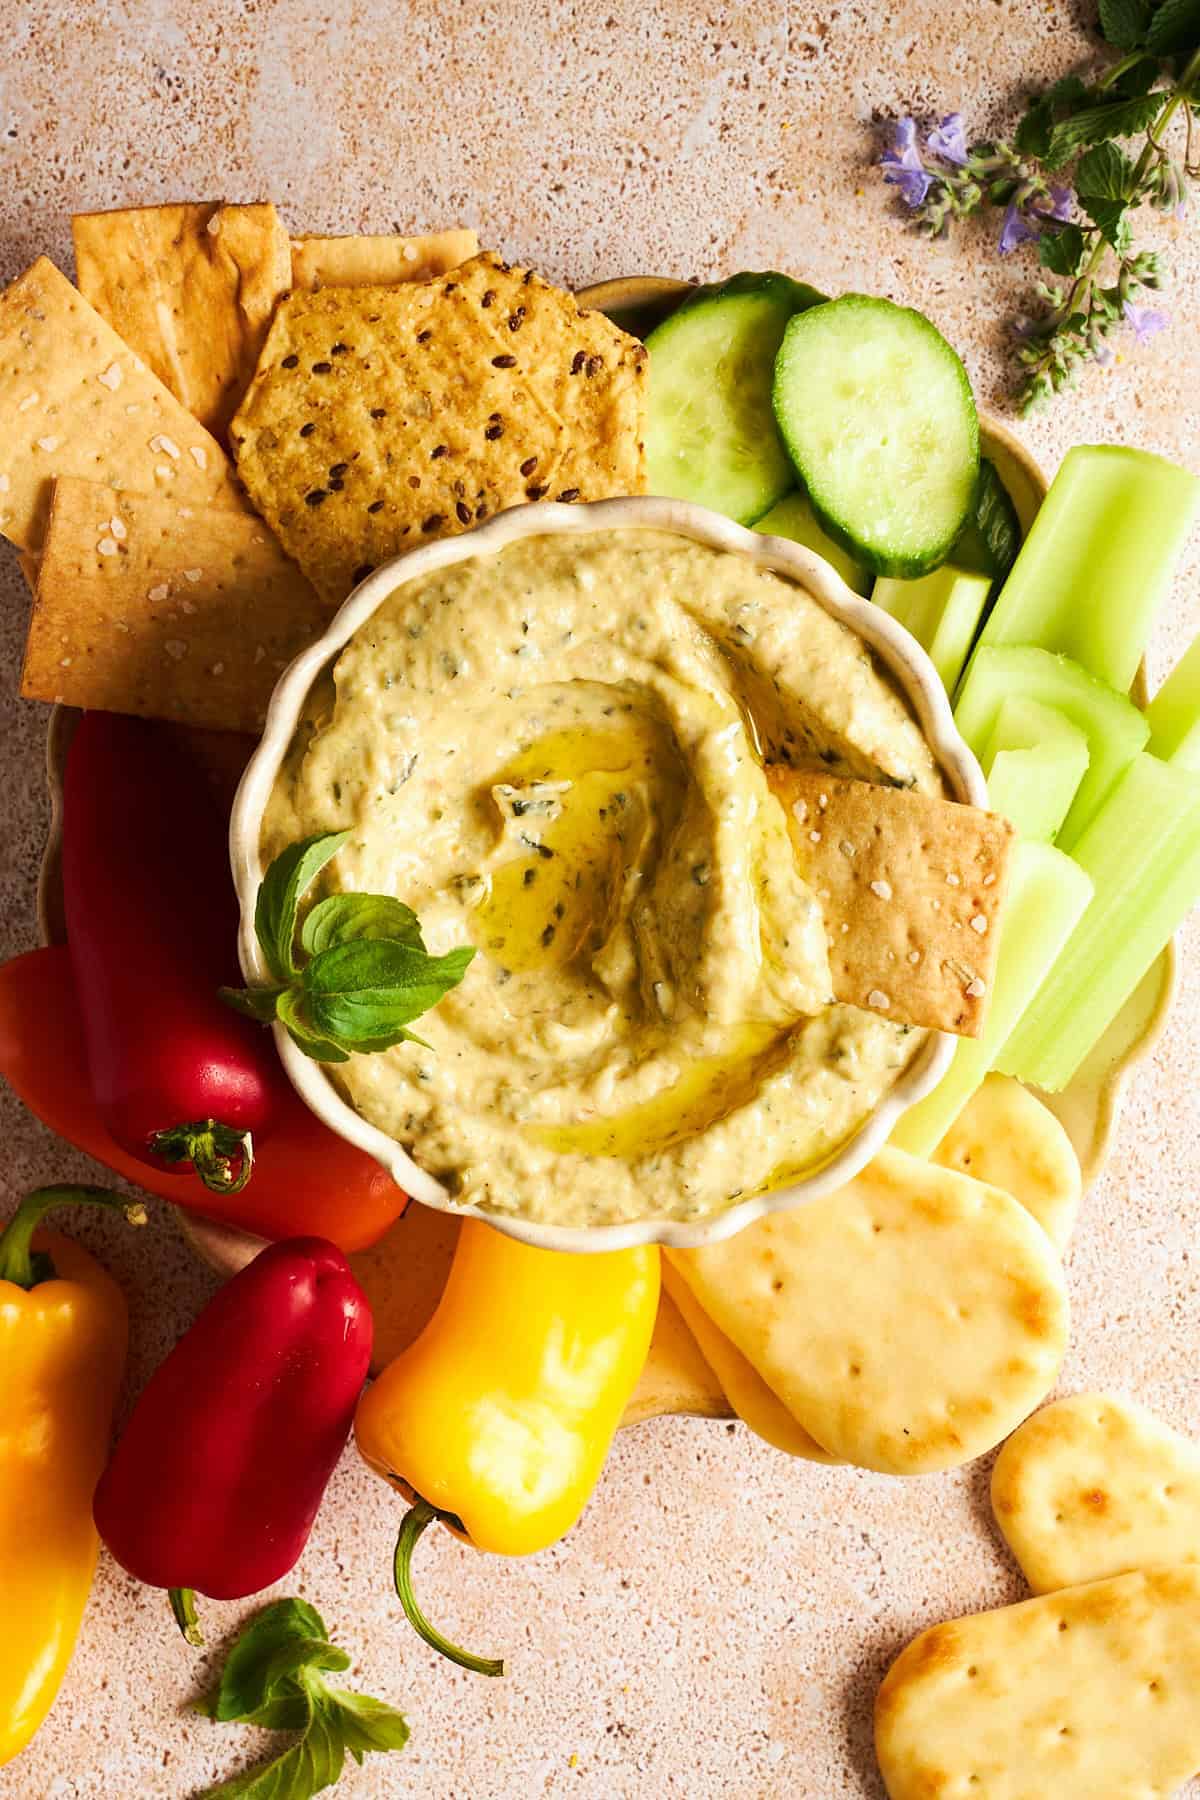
556	753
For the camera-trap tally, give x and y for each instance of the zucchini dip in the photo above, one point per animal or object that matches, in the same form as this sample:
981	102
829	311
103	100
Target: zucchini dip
557	753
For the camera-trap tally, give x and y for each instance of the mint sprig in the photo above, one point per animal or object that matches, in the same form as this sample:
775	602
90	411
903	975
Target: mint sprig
365	973
1097	282
275	1677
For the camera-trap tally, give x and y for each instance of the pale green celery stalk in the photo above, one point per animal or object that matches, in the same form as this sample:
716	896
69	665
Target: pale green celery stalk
1034	762
942	610
1114	728
1142	852
1046	898
1174	713
1098	560
793	517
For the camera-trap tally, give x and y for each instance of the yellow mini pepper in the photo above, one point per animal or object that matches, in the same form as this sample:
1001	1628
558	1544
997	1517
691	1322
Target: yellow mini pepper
498	1419
62	1349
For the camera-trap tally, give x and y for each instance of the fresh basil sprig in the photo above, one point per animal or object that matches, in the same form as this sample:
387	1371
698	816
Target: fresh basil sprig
274	1677
365	972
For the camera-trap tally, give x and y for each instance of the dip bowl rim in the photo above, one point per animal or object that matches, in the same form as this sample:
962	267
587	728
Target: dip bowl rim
899	652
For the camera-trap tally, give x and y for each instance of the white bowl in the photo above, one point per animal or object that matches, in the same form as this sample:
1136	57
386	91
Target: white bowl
897	651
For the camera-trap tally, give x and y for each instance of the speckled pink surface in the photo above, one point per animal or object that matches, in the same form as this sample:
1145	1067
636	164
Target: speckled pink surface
717	1624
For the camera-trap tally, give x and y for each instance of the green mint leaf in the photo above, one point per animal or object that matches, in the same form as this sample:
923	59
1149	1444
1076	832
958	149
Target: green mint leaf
1063	252
1104	173
247	1680
1175	28
304	1034
1111	218
289	876
1138	78
342	918
1064	97
365	992
1096	124
275	1677
1123	22
255	1003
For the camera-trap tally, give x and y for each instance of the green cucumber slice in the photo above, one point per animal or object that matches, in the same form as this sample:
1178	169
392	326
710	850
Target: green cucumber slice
878	417
1098	560
1046	898
1142	852
1174	713
1034	761
1114	728
942	610
793	517
991	537
710	431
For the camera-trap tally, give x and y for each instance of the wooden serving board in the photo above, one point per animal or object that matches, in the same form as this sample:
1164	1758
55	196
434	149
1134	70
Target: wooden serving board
405	1272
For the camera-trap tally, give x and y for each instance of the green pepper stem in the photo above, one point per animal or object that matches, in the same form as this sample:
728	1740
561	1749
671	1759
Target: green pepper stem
183	1605
414	1524
222	1156
24	1266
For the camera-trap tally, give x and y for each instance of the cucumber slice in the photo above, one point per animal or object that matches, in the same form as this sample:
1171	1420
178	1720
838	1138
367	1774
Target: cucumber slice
942	610
1047	897
991	537
1174	713
877	414
710	431
793	517
1098	560
1034	761
1142	852
1114	728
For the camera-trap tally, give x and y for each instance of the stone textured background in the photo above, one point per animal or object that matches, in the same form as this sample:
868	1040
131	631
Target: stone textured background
718	1622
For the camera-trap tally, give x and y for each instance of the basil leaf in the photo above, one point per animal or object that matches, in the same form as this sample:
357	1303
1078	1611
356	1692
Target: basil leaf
1095	124
1123	22
1104	173
246	1680
1174	27
302	1033
1063	251
365	991
288	877
256	1003
365	1723
341	918
1111	218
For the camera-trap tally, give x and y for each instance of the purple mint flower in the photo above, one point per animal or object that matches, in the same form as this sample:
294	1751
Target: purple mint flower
1017	229
1061	199
948	141
1104	354
1145	320
902	165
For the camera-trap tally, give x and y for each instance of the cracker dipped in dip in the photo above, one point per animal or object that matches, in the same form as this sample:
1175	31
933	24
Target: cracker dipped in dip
557	753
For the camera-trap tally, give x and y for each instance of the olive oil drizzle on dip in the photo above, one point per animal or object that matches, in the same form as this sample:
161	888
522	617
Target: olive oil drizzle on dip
556	753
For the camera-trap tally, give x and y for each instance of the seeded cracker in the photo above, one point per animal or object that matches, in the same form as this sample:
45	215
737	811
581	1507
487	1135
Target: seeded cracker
379	418
377	261
77	401
168	612
911	887
191	288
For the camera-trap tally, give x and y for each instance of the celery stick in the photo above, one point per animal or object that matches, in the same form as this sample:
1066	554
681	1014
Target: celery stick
793	517
1045	900
1174	713
1034	761
1114	728
1142	852
942	610
1099	559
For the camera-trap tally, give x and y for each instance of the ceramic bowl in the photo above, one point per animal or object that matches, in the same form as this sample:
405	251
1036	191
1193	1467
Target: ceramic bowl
897	652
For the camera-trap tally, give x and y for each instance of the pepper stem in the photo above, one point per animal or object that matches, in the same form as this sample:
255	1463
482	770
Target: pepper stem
221	1156
24	1266
414	1524
183	1605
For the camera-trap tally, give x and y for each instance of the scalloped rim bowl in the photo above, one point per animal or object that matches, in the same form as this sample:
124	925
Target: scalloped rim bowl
896	649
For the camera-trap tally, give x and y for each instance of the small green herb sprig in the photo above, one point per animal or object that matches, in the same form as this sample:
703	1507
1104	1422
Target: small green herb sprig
1096	281
277	1677
366	973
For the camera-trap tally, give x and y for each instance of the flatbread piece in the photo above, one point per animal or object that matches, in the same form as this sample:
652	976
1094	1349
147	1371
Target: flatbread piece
377	261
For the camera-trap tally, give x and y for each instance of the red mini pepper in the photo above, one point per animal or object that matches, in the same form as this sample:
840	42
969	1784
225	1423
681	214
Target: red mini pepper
216	1479
152	926
306	1178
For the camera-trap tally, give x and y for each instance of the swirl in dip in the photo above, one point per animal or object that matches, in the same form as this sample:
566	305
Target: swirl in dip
556	753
